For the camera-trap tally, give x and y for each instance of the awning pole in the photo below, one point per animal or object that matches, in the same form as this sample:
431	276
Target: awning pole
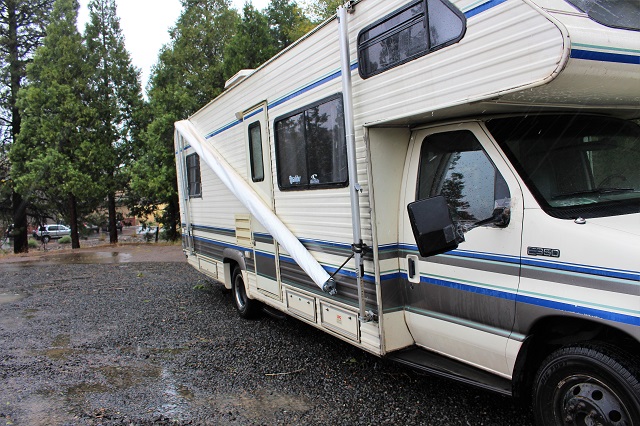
355	188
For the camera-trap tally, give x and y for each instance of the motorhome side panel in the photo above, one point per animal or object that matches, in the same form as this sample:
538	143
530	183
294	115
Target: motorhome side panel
507	46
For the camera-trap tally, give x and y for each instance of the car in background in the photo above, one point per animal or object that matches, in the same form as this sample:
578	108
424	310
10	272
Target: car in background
146	230
105	226
90	227
51	232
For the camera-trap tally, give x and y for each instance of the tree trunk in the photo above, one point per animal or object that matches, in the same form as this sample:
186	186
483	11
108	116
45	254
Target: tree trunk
173	214
20	236
113	231
73	218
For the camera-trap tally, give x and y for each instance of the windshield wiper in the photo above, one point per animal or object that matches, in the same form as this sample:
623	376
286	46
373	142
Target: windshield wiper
599	191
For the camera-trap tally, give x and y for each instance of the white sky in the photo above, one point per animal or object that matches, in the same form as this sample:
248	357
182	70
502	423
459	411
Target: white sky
145	25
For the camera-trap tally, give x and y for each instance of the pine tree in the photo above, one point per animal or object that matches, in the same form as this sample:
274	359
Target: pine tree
287	22
54	157
252	44
117	96
189	73
22	25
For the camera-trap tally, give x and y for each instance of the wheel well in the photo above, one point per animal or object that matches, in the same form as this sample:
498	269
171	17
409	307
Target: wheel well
551	333
229	266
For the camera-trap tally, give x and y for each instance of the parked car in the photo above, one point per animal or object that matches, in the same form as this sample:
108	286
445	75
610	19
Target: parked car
146	230
105	226
90	227
49	232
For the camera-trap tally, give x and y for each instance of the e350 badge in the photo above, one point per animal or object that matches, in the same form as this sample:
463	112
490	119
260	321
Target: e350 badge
540	251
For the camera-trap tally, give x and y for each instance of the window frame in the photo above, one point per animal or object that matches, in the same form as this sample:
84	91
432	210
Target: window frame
198	192
277	142
252	163
429	48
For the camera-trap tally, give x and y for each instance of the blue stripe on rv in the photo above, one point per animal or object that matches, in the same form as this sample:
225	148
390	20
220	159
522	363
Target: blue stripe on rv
536	301
605	56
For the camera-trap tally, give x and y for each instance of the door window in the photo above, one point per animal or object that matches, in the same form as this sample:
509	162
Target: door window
255	152
455	165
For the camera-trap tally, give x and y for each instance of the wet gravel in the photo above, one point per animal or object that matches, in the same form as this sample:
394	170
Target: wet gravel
158	343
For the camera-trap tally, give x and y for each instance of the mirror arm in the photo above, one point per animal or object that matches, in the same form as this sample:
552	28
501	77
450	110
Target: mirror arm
500	217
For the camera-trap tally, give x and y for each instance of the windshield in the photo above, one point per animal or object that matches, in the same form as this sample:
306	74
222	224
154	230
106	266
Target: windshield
612	13
575	165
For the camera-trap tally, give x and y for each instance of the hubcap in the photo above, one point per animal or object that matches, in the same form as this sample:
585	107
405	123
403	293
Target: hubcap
240	295
585	401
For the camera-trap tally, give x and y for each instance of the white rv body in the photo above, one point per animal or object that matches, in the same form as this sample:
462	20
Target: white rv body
506	297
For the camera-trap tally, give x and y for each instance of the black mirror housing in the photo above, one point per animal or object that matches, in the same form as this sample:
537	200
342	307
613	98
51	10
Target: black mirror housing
433	229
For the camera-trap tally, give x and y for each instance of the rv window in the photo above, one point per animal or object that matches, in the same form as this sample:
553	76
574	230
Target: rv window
454	164
311	150
193	175
255	152
403	36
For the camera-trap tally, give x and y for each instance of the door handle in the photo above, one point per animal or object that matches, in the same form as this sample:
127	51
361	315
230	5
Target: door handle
413	268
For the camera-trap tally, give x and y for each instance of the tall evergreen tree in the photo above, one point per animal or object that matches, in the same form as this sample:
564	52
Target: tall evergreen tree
22	27
320	10
54	156
189	73
252	44
117	97
287	22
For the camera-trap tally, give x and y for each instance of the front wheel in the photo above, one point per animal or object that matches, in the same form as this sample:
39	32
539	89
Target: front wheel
589	384
247	308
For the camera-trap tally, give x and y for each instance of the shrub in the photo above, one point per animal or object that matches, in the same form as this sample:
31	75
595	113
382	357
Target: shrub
65	240
33	243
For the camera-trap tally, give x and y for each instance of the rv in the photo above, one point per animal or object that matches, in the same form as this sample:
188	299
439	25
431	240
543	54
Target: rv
451	184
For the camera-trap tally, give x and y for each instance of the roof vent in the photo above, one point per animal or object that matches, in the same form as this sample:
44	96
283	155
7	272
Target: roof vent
237	78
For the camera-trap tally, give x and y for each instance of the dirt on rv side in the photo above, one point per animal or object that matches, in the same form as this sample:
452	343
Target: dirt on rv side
139	337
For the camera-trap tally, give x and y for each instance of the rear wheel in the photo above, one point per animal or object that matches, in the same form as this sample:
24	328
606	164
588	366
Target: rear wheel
247	308
588	384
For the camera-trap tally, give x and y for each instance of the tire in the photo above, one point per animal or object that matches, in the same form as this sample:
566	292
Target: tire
46	239
247	308
588	384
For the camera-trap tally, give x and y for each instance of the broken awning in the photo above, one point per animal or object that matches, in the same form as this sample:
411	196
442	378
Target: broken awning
252	201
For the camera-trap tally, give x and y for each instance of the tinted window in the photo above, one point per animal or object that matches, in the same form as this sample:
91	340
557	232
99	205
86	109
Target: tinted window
454	165
311	150
255	152
193	175
403	35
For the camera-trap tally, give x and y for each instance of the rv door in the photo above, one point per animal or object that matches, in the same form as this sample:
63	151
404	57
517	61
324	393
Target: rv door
258	148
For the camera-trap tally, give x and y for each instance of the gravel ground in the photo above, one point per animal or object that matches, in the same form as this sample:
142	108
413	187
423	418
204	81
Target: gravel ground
158	343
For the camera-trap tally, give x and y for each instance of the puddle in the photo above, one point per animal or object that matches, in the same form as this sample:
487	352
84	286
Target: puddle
66	258
88	257
126	377
11	297
60	348
262	406
30	313
61	340
85	388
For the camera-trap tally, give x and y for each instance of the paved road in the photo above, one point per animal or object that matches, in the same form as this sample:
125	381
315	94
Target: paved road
129	342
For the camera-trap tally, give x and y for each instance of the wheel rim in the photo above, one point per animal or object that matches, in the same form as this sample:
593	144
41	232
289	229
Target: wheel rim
583	400
239	293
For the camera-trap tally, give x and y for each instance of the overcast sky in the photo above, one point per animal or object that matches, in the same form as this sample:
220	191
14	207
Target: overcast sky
145	25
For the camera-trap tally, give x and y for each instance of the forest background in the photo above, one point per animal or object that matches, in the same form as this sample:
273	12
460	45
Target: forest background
78	137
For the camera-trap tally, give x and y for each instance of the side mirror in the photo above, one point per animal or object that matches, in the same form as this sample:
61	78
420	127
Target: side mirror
433	228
